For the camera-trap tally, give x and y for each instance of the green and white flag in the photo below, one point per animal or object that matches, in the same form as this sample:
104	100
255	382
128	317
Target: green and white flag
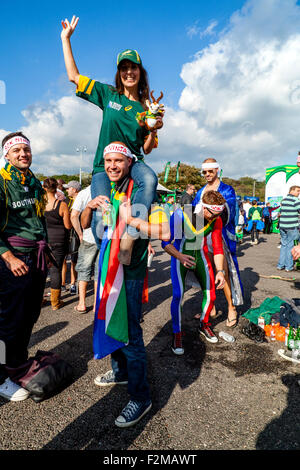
167	171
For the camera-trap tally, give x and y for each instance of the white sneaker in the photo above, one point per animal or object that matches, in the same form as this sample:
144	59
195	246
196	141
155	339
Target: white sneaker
293	356
177	347
12	391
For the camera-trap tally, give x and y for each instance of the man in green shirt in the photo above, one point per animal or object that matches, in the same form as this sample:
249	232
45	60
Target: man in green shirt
128	359
289	228
23	260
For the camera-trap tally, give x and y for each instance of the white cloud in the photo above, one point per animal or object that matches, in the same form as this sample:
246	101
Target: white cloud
240	103
56	130
241	100
195	30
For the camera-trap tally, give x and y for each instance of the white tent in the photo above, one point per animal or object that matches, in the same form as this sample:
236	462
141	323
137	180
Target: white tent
279	179
161	188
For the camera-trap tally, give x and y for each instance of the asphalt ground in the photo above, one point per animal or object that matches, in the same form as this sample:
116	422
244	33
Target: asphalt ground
224	396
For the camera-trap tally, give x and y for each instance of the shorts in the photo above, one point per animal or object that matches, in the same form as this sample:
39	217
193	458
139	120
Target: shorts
87	263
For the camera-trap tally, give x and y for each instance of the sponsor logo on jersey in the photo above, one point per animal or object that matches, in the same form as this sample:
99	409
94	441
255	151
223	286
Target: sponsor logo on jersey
114	105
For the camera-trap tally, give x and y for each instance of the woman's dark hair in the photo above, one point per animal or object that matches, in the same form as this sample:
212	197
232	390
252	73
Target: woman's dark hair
50	184
143	86
13	134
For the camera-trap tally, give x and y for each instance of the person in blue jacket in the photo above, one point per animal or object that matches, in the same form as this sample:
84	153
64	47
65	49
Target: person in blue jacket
233	286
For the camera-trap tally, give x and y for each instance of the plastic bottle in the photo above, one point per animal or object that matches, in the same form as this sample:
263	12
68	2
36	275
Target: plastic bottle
107	216
291	339
261	322
227	337
272	332
297	339
149	262
286	336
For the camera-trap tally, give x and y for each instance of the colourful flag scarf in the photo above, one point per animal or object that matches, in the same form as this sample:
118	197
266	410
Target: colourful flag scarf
111	324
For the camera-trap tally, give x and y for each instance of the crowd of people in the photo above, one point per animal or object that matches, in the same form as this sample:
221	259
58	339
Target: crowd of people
106	228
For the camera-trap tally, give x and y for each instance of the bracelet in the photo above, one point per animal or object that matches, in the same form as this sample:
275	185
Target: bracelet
221	271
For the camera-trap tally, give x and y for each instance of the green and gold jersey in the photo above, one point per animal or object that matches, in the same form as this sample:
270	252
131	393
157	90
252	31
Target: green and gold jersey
119	118
18	213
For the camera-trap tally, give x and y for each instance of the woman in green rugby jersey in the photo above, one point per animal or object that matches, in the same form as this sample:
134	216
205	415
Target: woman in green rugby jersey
120	105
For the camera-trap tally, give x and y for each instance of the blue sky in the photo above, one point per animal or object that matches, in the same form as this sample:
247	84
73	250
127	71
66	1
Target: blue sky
229	71
33	68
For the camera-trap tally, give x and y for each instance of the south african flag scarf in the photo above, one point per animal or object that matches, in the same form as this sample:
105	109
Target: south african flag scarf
111	325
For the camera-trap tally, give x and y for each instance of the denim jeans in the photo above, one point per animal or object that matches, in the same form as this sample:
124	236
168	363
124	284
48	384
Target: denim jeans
130	362
100	186
20	305
254	232
146	180
287	238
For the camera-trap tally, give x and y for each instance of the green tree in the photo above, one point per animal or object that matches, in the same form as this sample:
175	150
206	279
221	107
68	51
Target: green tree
190	174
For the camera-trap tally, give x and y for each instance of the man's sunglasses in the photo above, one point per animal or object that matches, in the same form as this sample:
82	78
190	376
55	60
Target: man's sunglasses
207	171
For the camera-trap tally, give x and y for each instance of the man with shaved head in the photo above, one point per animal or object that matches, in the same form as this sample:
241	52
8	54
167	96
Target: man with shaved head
233	287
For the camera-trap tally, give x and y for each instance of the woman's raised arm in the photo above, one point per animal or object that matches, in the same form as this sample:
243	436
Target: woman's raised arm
68	30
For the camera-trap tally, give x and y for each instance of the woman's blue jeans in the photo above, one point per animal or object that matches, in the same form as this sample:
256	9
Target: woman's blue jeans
130	362
146	180
100	186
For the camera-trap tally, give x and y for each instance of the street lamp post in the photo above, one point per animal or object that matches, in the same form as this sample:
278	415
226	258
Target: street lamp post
81	150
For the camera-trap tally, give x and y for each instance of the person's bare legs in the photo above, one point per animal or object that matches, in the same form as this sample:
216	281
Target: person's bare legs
73	273
82	288
232	313
95	295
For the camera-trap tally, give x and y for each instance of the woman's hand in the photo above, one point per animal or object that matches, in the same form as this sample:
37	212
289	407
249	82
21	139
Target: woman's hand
220	280
151	250
68	28
125	212
159	122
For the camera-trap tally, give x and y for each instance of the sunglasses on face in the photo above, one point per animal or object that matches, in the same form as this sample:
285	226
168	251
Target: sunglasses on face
207	171
212	213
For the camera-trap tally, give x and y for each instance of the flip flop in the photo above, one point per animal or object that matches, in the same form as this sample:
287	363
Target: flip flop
78	310
235	320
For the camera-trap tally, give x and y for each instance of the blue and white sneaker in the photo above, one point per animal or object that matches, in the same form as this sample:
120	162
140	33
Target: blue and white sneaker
109	379
73	289
12	391
132	413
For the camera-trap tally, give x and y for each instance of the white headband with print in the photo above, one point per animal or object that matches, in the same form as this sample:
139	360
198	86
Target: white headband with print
12	142
118	148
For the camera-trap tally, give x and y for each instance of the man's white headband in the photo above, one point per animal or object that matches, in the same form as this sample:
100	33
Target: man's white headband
212	207
210	165
118	148
12	142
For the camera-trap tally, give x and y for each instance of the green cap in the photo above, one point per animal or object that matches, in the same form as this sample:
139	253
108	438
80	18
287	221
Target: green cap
129	54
